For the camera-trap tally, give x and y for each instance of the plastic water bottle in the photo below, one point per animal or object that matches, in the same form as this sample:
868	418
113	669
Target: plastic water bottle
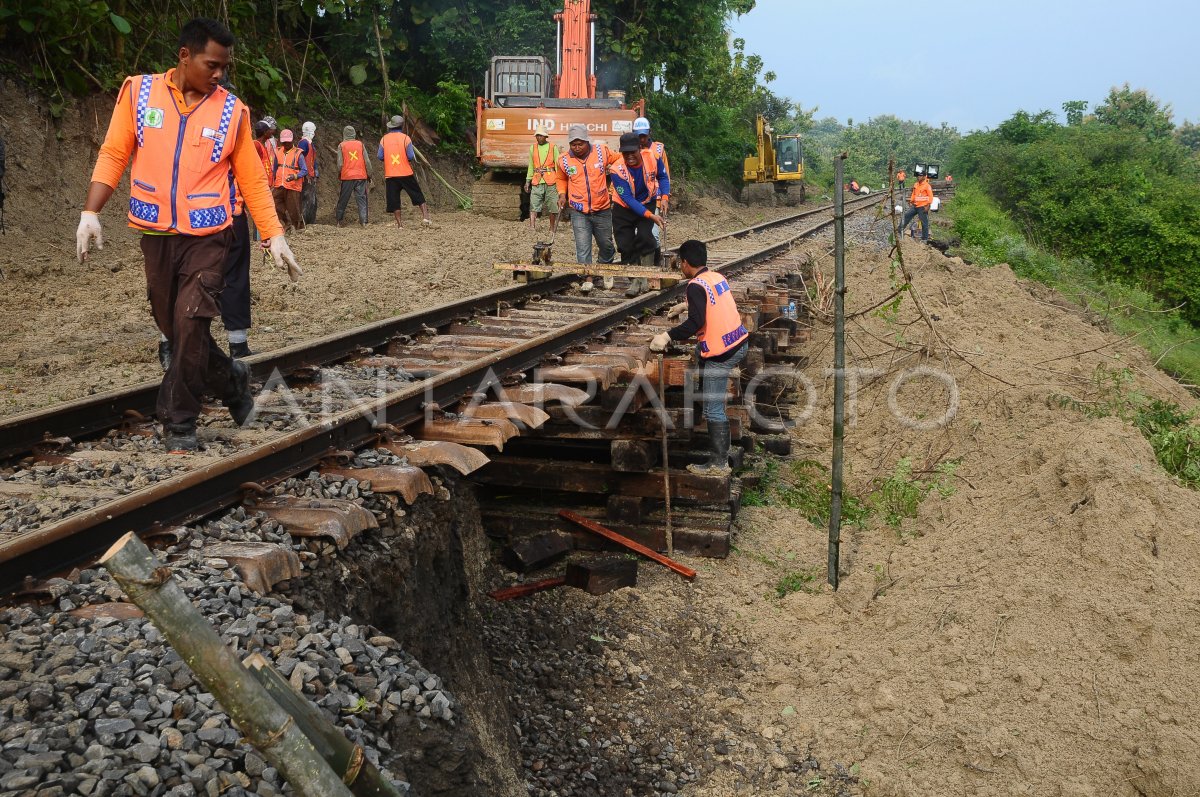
792	310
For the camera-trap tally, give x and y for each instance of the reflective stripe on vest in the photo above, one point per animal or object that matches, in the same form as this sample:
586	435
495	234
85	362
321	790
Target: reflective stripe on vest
587	180
354	164
288	165
649	174
542	168
180	175
395	154
723	328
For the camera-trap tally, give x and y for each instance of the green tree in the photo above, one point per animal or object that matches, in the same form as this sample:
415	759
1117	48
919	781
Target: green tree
1136	110
1075	109
1188	136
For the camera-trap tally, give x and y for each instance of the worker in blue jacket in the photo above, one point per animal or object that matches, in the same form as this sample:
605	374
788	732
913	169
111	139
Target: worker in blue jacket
636	183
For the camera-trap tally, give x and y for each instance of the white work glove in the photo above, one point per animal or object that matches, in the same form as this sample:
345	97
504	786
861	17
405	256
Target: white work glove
677	310
282	254
89	228
659	342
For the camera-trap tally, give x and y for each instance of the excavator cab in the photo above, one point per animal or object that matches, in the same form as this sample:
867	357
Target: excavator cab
789	161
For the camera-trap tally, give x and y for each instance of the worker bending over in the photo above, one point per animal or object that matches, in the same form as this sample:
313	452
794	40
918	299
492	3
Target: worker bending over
721	343
635	182
184	133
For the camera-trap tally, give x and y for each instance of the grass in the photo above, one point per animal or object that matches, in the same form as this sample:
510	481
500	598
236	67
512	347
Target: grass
899	496
1170	430
990	237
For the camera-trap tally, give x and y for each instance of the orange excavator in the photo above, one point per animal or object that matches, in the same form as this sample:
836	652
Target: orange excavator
521	95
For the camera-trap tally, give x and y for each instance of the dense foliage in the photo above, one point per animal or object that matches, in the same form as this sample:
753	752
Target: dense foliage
1117	188
366	59
871	145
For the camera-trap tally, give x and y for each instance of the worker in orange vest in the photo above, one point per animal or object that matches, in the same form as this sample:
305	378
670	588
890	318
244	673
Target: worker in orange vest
308	194
180	201
635	189
541	180
900	177
583	183
920	200
641	126
354	170
722	343
289	169
397	153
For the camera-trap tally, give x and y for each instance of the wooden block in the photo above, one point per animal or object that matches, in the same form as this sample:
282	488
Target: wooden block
531	553
633	456
602	575
628	509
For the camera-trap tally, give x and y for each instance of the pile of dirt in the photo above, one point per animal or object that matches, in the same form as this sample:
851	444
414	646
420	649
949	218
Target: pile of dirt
1033	632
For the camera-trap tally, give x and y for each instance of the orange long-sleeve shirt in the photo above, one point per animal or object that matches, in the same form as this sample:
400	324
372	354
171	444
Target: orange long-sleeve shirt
922	195
117	150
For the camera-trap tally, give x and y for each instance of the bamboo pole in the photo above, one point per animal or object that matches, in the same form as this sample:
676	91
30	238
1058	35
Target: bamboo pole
342	755
265	725
662	400
839	369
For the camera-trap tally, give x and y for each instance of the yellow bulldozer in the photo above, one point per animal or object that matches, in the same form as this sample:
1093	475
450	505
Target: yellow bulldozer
774	175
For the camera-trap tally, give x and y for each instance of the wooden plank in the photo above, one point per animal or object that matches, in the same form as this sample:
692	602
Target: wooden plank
521	590
589	477
612	536
536	551
633	456
602	575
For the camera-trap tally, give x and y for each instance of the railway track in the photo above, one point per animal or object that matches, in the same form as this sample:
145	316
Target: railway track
81	474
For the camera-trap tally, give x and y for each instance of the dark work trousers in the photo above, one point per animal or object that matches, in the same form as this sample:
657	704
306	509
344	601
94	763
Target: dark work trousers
235	299
308	200
922	214
634	234
184	276
357	188
287	205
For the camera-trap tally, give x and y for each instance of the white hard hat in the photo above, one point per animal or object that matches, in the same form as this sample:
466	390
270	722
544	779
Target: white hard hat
641	125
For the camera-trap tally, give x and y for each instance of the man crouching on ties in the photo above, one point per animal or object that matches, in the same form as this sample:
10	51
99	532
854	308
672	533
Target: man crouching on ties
721	343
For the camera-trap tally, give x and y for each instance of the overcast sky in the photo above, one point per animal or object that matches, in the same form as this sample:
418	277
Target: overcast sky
973	63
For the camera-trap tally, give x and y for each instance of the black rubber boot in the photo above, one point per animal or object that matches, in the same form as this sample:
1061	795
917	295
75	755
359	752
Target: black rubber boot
240	350
718	447
164	354
239	399
180	439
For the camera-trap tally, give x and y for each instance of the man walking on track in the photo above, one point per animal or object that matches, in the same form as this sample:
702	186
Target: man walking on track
721	344
541	180
397	153
583	182
289	170
354	170
184	133
920	200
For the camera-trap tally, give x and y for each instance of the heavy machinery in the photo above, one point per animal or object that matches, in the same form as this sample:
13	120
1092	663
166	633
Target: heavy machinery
775	173
520	95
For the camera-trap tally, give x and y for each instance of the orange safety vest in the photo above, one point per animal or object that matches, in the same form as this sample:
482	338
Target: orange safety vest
395	154
310	159
723	328
922	195
542	168
587	180
649	174
900	175
265	156
354	160
287	164
660	152
179	179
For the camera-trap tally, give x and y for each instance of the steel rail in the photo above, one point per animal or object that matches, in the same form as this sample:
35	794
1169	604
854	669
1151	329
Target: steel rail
195	494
